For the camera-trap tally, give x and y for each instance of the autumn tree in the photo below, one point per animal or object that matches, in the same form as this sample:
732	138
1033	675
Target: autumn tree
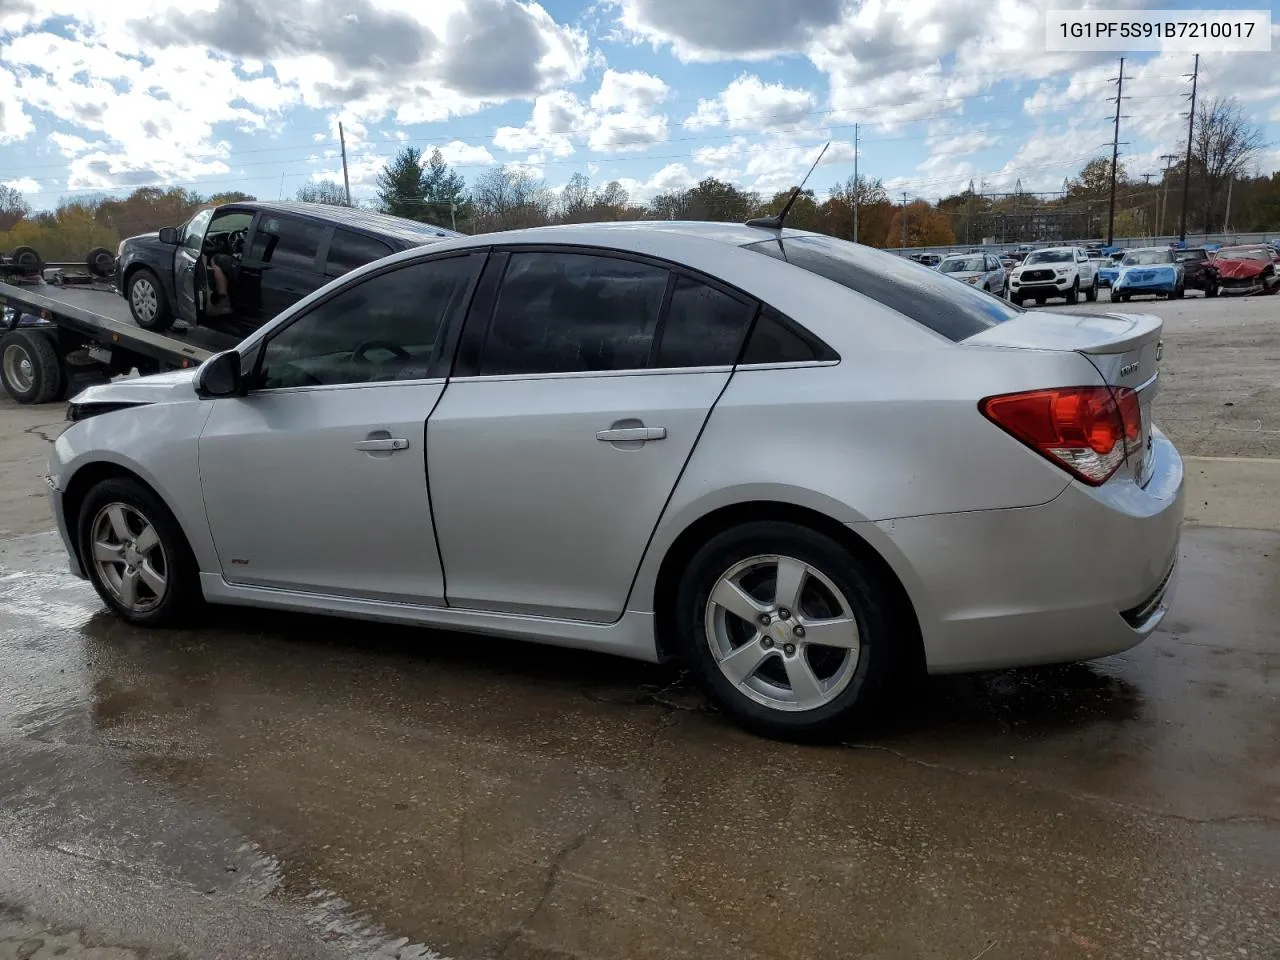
925	227
508	197
12	207
1223	141
804	214
874	211
323	191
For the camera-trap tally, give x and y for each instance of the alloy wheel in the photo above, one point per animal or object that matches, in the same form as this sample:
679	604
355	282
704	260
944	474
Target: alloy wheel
782	633
19	371
143	298
129	558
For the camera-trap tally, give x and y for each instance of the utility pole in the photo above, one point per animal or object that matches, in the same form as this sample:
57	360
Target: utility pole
904	219
1226	221
1168	159
1186	172
857	187
1115	154
346	180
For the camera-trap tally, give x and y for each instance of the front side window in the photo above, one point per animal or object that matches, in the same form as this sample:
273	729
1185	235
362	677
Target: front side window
193	232
573	313
287	242
384	328
953	310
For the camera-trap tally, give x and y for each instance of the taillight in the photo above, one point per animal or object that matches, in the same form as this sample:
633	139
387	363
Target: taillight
1085	430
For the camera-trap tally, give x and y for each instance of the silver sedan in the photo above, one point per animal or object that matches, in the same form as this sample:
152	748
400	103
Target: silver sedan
791	463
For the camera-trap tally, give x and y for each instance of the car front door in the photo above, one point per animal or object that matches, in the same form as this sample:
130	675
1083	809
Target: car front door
559	440
283	262
316	479
188	273
1086	269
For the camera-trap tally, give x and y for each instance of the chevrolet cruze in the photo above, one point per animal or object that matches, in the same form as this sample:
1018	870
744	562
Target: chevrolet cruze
790	462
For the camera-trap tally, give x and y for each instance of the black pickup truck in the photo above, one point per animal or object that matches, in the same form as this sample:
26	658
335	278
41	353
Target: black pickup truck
273	255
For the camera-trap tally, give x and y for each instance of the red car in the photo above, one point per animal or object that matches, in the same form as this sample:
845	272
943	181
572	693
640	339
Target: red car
1244	270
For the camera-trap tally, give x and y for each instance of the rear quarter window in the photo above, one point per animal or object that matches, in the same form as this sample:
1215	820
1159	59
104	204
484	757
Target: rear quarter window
953	310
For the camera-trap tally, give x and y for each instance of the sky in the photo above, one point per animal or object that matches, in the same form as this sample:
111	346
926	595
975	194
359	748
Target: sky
247	95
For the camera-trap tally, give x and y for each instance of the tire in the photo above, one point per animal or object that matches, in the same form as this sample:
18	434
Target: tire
1211	290
1073	295
1124	298
1178	293
1092	293
100	263
29	260
124	500
837	580
148	303
29	366
1015	299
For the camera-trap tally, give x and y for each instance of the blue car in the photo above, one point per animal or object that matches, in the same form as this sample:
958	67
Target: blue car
1107	271
1149	271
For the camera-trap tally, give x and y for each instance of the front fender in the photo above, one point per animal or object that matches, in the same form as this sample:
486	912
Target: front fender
158	443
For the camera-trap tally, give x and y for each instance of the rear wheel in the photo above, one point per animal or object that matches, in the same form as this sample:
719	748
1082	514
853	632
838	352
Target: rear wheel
787	631
1179	292
136	554
29	366
148	303
1092	293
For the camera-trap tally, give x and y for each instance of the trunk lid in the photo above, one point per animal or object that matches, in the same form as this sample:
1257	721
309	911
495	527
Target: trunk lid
1124	348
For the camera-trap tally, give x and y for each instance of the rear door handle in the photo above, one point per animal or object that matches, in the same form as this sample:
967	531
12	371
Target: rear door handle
388	444
622	434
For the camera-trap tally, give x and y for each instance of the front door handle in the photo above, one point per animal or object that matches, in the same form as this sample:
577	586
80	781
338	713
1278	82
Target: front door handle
624	434
386	445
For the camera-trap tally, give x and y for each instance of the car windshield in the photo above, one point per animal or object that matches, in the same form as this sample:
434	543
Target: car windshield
954	310
1188	255
1145	258
963	265
1251	254
1050	256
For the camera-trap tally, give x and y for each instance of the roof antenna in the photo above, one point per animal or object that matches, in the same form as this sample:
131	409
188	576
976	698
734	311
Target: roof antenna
776	221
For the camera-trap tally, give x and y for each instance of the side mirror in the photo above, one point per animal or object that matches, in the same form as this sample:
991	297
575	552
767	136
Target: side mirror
220	376
170	235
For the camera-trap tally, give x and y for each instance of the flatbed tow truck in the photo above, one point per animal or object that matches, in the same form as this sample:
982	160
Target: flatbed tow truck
61	332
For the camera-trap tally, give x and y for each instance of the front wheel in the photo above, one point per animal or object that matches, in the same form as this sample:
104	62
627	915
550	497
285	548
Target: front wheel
1015	299
786	630
148	303
1073	295
136	554
1211	290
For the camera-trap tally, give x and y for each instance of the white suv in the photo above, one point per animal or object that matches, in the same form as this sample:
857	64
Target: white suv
1054	272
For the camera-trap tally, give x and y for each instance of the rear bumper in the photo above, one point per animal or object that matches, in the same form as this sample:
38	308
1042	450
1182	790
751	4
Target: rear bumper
1089	574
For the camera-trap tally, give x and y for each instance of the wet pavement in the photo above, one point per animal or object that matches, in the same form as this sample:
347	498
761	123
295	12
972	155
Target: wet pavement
280	786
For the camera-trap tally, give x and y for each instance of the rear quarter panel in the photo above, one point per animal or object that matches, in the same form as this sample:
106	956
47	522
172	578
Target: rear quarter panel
877	436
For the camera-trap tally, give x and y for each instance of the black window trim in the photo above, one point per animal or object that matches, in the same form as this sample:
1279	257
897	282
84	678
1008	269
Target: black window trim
479	319
446	343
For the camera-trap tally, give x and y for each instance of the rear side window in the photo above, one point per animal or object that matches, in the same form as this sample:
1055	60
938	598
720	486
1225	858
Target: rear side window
348	250
286	242
773	340
704	327
954	310
573	313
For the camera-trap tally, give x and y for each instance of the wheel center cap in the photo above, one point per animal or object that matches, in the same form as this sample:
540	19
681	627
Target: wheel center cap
131	556
781	631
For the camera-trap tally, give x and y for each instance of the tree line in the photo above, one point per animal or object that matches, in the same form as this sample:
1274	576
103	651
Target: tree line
1222	196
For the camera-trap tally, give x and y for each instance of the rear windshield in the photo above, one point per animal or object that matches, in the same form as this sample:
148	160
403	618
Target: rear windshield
954	310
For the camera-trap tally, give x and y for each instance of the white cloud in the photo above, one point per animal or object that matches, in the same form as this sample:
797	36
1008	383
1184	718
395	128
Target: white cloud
748	103
674	176
22	185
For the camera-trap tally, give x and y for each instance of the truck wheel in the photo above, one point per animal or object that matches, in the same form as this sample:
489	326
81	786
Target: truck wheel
29	260
1073	295
1092	293
29	366
101	263
148	303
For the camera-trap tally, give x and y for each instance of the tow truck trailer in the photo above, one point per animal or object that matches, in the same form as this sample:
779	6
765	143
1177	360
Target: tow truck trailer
56	338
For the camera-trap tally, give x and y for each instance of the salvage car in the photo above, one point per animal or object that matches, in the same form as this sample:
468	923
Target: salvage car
980	270
1054	272
791	463
1197	270
271	255
1245	269
1148	271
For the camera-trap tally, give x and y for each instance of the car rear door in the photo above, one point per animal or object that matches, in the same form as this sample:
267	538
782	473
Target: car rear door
315	481
583	381
283	262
